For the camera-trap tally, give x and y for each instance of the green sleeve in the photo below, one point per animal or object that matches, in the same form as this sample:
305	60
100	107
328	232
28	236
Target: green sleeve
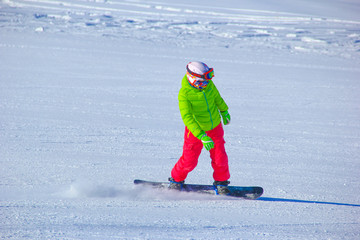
219	101
188	116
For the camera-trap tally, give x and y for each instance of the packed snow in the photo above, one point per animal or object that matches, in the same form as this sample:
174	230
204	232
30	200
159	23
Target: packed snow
88	103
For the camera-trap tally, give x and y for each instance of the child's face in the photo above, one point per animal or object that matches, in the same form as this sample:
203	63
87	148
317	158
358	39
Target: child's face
197	82
201	84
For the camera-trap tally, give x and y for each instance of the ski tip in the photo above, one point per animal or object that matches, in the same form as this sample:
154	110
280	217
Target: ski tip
138	181
259	192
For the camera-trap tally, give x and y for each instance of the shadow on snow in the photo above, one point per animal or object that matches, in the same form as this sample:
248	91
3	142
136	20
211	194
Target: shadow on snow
269	199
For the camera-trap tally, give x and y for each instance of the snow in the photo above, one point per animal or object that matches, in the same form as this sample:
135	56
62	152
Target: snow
88	103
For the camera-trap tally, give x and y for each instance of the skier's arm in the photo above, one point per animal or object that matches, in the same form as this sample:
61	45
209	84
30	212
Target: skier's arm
188	117
219	101
222	106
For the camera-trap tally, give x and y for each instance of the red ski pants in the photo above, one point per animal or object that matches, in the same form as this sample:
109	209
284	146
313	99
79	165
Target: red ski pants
191	152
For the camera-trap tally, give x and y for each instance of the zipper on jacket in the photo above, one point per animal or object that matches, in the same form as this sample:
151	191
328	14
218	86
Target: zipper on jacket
207	104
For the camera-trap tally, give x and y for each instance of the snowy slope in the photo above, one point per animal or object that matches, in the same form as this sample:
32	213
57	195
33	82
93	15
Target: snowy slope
88	102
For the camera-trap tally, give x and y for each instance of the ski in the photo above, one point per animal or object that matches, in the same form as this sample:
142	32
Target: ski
245	192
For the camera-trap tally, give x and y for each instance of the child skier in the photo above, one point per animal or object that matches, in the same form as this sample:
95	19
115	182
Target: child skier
200	106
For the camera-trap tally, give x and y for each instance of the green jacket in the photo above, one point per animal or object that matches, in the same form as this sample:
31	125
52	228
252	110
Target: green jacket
199	109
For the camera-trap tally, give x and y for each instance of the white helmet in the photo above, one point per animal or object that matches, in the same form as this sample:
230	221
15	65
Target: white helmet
199	74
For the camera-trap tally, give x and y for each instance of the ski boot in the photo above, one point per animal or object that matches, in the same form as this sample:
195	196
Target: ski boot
176	185
221	187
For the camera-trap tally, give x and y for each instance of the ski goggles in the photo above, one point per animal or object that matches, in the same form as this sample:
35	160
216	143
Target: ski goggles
207	76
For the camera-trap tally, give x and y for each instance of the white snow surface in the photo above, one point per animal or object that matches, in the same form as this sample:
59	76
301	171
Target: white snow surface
88	103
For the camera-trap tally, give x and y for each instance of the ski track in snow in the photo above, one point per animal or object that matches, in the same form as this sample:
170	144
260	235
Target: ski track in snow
88	102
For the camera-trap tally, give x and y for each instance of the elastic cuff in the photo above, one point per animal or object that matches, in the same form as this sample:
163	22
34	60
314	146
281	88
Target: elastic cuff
201	135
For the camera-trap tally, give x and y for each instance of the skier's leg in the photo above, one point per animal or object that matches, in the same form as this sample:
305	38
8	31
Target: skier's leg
189	159
219	158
